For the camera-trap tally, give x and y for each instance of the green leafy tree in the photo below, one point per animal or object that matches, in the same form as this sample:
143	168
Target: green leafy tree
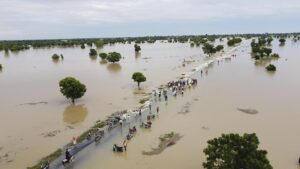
93	52
99	43
138	77
137	48
269	40
232	151
267	51
219	48
208	49
72	88
103	55
113	57
271	68
82	46
282	41
55	56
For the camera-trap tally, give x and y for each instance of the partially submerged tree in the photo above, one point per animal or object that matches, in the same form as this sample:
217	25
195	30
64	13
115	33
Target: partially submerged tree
55	56
282	41
232	151
99	43
219	48
138	77
103	55
1	67
72	88
93	52
271	68
82	46
208	49
113	57
137	48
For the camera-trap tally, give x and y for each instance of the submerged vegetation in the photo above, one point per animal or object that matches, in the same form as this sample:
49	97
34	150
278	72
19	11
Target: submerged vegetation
196	40
210	49
113	57
235	151
137	48
233	41
271	68
93	52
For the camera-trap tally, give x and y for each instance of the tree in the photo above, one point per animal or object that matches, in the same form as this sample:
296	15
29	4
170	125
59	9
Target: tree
1	67
208	49
82	46
113	57
232	151
99	43
138	77
137	48
72	88
282	41
103	55
267	51
55	56
93	52
271	68
219	48
269	40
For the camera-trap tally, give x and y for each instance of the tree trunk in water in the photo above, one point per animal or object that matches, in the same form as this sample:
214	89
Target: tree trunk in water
139	85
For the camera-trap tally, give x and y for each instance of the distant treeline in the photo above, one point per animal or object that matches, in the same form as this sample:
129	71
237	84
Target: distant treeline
17	45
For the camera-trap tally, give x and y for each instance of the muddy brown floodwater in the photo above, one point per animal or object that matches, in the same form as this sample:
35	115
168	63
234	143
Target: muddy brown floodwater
213	104
210	109
36	119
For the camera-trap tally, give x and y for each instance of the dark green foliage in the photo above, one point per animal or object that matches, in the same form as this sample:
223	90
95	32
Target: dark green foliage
1	67
99	43
113	57
271	68
269	40
267	51
138	77
208	49
71	88
275	55
233	41
232	151
219	48
82	46
103	55
93	52
282	41
55	56
137	48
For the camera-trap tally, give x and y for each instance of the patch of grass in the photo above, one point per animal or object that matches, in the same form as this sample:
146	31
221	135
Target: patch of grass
49	158
142	101
167	136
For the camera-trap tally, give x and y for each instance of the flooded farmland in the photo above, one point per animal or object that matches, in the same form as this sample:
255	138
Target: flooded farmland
36	119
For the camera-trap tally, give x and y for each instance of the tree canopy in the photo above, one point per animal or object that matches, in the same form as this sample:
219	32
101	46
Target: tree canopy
55	56
103	55
93	52
72	88
233	41
138	77
232	151
137	48
282	41
271	68
113	57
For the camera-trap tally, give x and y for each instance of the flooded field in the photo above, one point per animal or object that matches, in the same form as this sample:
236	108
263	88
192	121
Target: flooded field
36	119
212	109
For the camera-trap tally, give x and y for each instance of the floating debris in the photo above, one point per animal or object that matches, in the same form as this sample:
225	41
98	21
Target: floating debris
248	111
166	141
33	103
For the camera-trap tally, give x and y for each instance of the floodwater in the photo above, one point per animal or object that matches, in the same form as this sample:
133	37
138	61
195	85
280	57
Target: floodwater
36	119
210	109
